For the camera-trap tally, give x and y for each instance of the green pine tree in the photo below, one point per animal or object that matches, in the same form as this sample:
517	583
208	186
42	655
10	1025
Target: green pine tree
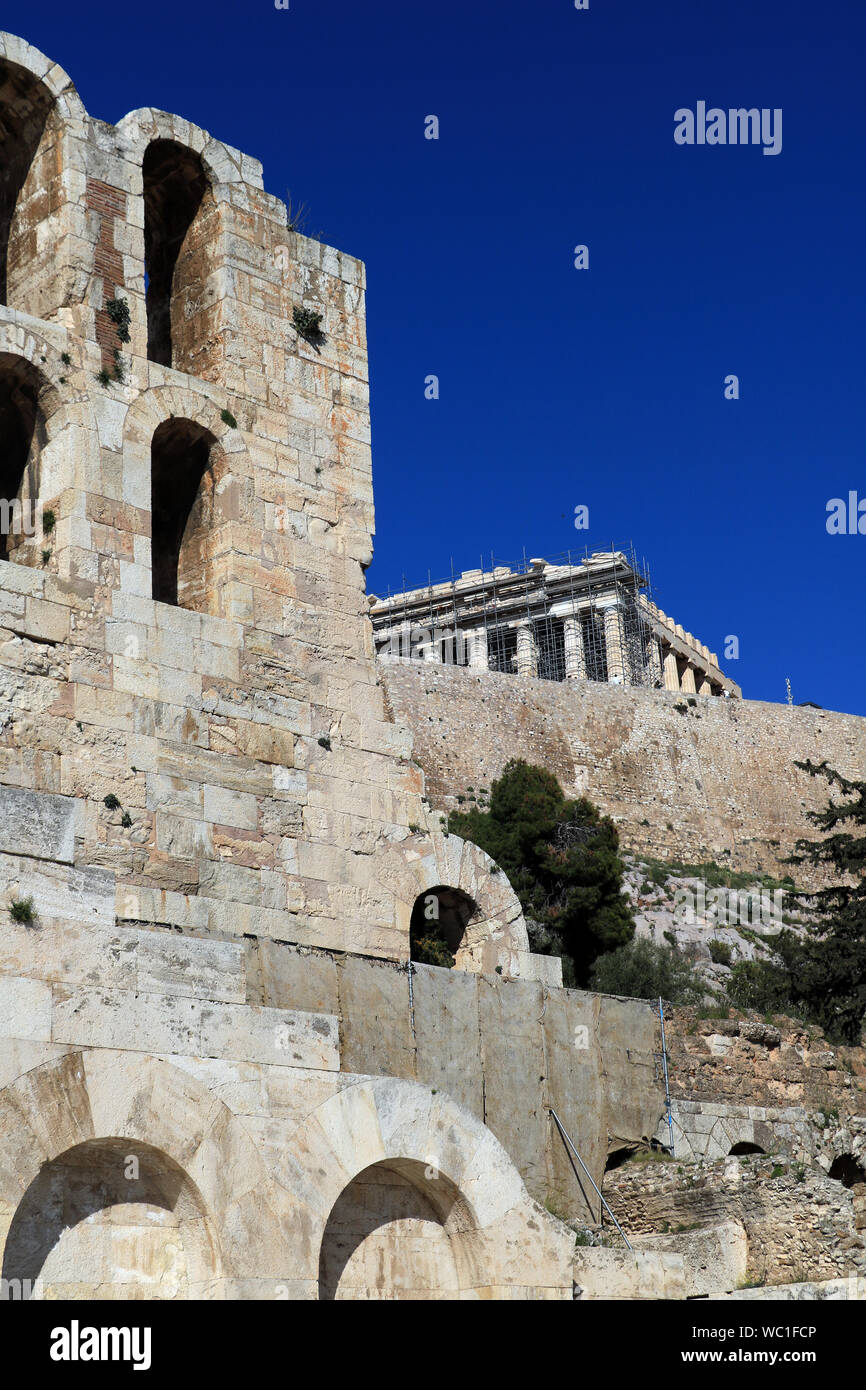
562	858
828	969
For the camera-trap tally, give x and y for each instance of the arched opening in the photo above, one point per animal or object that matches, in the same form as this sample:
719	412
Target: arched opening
22	438
745	1148
177	197
25	106
851	1173
110	1218
640	1152
182	511
847	1170
394	1233
438	924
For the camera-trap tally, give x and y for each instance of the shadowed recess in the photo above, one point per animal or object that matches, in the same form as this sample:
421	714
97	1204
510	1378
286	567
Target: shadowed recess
86	1180
24	109
181	503
174	189
22	435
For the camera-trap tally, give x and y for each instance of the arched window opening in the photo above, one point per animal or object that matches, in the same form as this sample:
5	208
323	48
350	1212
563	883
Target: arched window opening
744	1148
182	510
25	106
847	1170
439	920
22	438
176	199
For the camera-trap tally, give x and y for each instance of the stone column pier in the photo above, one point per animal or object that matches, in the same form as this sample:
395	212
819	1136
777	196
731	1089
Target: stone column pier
478	657
527	655
672	675
654	660
617	670
575	656
687	681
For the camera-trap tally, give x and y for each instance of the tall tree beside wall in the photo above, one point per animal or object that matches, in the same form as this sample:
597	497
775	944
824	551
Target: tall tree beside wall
562	858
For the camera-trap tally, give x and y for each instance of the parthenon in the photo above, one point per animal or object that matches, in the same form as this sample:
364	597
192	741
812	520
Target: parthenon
557	621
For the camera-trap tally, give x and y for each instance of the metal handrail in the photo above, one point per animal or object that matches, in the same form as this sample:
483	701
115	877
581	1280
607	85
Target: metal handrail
564	1132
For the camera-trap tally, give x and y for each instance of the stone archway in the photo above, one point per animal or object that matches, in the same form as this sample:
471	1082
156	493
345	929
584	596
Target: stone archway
390	1236
42	124
494	936
187	417
187	177
110	1218
454	1184
67	1130
55	450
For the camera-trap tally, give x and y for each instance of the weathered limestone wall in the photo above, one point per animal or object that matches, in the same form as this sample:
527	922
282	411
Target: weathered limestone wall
730	1060
800	1225
502	1050
713	779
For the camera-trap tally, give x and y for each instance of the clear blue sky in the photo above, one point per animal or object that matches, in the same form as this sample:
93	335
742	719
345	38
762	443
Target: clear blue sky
559	386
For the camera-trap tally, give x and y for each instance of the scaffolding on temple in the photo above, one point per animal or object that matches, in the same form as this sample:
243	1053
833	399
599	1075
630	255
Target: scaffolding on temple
588	616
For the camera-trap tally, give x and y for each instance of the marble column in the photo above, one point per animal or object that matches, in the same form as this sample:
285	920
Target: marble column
575	656
527	656
478	659
672	675
617	671
654	660
687	682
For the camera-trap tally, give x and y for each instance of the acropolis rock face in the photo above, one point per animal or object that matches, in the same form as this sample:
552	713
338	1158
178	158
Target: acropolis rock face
219	1075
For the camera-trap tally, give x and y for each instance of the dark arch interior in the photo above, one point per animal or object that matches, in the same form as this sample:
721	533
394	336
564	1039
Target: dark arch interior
847	1170
21	436
180	462
24	109
439	920
745	1148
174	187
86	1179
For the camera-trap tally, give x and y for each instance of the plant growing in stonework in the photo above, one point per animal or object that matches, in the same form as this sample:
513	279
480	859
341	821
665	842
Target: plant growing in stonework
118	312
562	858
308	323
22	910
432	949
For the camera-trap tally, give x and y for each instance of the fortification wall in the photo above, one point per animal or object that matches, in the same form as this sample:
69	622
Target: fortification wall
686	779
